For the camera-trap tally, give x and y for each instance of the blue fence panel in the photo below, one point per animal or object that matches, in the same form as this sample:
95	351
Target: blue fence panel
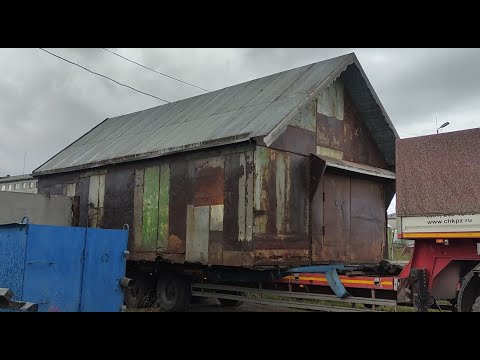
13	239
53	267
104	266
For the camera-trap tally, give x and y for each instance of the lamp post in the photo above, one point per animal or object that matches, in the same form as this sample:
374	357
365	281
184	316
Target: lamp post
442	126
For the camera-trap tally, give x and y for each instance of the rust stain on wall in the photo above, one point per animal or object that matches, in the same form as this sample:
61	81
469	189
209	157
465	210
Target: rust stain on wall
359	145
177	207
209	183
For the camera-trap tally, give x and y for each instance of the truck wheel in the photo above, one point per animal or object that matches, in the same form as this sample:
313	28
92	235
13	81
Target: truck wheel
173	293
136	296
229	302
476	305
469	295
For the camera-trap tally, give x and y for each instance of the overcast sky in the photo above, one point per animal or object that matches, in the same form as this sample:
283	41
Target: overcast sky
46	103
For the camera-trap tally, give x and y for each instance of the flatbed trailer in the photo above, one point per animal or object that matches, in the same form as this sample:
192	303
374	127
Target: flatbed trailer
441	269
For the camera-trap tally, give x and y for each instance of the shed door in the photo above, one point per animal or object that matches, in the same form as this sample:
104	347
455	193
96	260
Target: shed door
336	218
367	220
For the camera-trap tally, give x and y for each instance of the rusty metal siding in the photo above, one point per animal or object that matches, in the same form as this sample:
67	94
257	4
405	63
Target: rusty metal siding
281	208
233	172
81	191
330	132
136	244
348	219
359	145
295	140
368	224
270	184
215	248
209	179
249	198
178	207
342	134
336	217
449	168
316	222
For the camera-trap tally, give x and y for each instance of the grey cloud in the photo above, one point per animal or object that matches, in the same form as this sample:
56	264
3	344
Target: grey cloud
46	103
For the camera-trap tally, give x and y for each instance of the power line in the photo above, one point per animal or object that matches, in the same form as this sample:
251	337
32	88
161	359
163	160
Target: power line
106	77
407	132
146	67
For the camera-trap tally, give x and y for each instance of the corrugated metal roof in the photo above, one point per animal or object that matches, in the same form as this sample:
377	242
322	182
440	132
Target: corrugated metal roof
261	107
13	178
358	168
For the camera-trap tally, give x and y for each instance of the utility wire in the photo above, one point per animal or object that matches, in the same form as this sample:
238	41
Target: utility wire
407	132
106	77
146	67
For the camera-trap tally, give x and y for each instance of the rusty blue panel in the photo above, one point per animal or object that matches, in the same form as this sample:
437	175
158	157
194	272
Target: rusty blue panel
13	239
104	266
53	267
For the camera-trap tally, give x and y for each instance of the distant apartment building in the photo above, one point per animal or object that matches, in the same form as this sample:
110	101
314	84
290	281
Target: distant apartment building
19	183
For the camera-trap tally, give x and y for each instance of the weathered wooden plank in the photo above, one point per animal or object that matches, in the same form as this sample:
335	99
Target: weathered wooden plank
331	101
179	189
241	199
261	184
101	190
190	181
270	189
249	194
261	164
189	245
101	199
216	217
288	200
280	192
93	201
81	191
150	208
215	248
69	189
230	217
197	234
209	182
163	207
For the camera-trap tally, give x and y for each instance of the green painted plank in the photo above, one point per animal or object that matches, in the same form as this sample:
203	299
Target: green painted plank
163	204
150	208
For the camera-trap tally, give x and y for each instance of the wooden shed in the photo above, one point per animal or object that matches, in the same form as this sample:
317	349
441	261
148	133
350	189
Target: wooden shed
290	169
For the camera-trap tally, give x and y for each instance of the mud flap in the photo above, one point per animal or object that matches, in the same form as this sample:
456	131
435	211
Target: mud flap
336	284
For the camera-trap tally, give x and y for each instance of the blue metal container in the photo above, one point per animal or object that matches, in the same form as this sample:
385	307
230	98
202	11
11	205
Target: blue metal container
63	268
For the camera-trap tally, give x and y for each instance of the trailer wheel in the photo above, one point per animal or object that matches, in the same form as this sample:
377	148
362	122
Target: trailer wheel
468	299
230	303
173	293
137	296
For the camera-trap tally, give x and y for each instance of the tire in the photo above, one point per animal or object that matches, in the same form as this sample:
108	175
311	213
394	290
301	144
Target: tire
476	305
230	303
468	299
134	295
173	293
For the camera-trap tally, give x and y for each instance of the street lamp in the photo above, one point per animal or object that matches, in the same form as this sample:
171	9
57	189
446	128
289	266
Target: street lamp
442	126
